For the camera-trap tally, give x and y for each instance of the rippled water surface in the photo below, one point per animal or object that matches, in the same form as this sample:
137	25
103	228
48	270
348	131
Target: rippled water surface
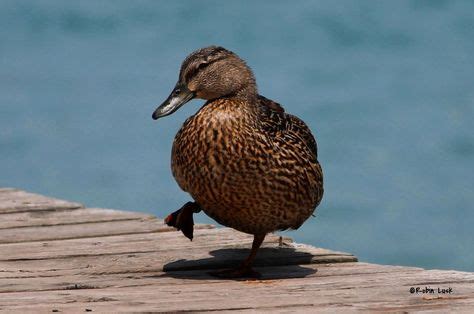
386	86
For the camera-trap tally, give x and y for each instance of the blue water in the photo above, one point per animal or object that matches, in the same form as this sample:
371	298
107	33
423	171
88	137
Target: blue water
386	86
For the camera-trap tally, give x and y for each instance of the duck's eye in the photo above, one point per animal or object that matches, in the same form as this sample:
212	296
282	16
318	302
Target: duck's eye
196	69
176	91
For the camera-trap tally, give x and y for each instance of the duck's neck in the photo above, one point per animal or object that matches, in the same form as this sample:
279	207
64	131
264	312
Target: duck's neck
248	94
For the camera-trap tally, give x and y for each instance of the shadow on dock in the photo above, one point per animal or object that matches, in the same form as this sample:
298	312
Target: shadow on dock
268	263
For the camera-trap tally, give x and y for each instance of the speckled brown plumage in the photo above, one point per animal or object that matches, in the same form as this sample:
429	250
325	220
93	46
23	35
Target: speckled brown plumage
246	162
248	166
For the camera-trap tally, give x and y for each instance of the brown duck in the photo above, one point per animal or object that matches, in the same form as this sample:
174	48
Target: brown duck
245	162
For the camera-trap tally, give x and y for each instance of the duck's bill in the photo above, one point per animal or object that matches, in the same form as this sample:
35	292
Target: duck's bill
178	97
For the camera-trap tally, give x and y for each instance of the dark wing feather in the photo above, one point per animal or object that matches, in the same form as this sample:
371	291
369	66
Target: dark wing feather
276	120
263	101
291	133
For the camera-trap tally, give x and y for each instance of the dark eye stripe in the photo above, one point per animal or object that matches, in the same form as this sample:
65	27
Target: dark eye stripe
191	73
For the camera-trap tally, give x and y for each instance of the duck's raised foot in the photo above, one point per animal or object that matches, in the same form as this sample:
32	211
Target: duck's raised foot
241	272
182	219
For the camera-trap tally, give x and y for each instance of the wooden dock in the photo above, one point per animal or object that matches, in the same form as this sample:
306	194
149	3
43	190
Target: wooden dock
57	256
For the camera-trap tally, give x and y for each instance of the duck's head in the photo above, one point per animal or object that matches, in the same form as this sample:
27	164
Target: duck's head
209	73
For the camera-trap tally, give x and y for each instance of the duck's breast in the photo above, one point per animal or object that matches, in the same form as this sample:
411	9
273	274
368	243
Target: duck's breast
242	176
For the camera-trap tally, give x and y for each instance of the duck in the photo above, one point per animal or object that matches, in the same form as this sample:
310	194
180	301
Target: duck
245	161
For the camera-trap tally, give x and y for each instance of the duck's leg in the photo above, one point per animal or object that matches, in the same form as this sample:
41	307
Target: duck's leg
245	269
182	219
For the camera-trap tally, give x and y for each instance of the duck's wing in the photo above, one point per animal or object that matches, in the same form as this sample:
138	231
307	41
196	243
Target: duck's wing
279	123
273	105
294	147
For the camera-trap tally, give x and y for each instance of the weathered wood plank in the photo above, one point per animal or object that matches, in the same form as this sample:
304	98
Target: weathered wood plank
15	201
322	288
66	217
116	244
109	304
85	230
140	264
75	279
213	240
98	260
192	258
8	190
